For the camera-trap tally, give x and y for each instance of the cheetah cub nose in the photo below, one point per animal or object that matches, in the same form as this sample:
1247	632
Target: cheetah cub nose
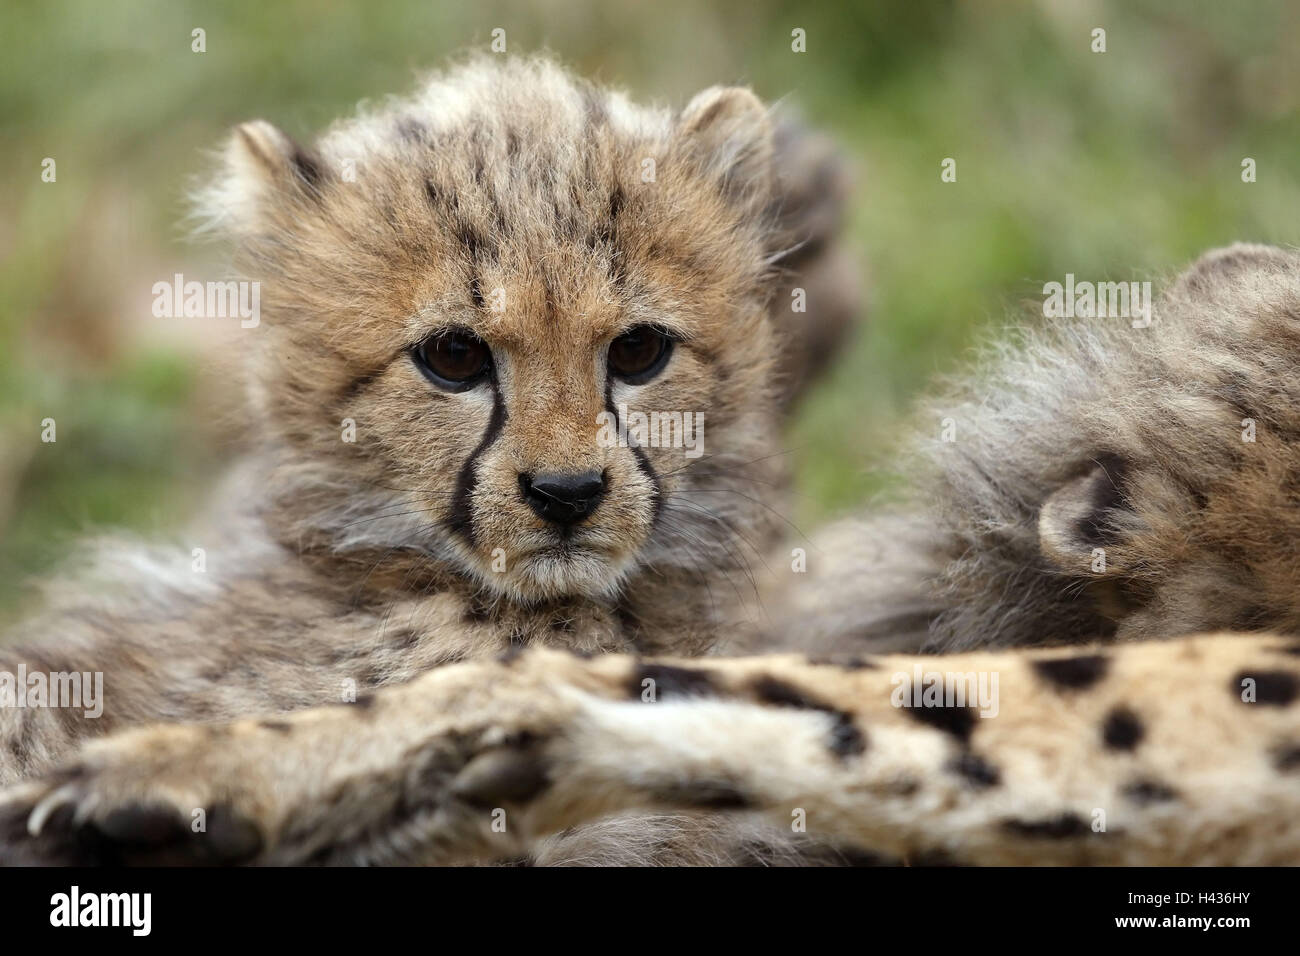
564	498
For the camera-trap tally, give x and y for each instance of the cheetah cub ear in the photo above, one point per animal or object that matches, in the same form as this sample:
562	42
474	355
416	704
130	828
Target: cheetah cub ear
727	132
260	172
1085	516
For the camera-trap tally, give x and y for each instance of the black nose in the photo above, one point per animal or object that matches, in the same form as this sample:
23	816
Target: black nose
564	499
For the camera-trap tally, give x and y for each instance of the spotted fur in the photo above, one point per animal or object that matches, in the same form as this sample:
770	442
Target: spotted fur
371	562
550	740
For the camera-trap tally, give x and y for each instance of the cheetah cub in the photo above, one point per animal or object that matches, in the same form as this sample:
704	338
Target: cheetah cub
524	355
1141	742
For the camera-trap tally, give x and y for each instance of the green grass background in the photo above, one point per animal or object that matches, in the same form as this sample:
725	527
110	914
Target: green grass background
1117	165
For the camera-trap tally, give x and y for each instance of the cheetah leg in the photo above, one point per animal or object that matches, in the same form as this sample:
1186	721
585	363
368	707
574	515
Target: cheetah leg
1160	753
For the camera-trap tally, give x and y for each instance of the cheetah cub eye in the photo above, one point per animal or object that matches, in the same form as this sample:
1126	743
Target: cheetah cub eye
639	354
456	360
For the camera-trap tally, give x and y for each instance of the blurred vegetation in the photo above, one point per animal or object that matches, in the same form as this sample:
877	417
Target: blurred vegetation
1117	165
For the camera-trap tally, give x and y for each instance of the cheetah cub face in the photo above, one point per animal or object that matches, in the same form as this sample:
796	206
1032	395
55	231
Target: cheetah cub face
489	281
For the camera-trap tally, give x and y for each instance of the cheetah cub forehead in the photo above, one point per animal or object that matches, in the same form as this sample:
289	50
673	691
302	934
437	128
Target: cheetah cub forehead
542	308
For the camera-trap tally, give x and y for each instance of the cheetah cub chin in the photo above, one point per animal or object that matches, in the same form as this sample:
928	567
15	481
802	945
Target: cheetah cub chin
523	358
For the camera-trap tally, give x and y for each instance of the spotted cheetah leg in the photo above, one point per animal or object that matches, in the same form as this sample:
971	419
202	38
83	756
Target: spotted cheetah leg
1173	752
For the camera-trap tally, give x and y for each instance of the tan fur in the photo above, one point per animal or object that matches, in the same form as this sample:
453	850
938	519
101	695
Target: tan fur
352	562
335	566
548	741
1133	434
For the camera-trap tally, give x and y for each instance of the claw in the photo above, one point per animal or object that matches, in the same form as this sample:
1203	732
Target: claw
43	810
85	809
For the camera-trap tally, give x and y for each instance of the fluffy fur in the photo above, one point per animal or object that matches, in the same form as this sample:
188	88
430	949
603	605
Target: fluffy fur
1080	439
1083	441
337	566
1141	751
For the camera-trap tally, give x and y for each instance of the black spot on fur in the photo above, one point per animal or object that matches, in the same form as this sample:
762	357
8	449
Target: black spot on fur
704	795
977	771
957	721
363	702
1287	758
1149	791
279	726
1122	729
846	739
1276	688
671	683
850	663
772	690
1073	673
1063	827
1292	649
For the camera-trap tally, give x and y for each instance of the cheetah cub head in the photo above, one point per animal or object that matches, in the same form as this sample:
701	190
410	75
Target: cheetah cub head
540	308
1139	482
